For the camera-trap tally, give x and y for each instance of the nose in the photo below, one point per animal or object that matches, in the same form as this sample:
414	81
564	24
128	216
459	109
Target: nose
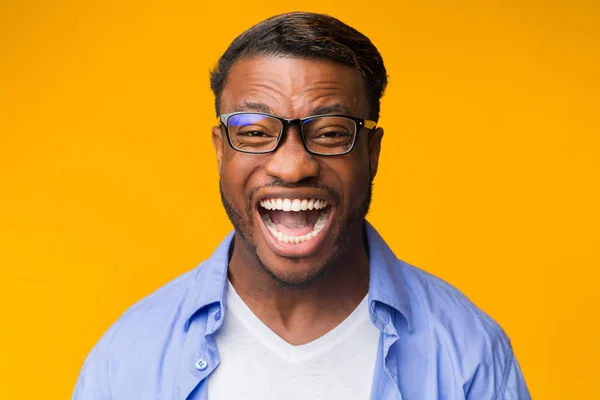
291	162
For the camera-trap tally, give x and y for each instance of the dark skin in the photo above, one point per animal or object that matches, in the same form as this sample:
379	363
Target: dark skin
303	297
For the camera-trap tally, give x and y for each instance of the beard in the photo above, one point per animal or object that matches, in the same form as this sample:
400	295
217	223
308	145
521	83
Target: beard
353	223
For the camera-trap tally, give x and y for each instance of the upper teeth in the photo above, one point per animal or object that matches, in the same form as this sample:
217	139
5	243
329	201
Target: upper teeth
293	204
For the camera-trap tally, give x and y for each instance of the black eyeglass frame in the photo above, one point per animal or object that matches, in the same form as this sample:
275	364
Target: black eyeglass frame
359	123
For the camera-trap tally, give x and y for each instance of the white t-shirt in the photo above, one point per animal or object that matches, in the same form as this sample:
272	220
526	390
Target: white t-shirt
258	364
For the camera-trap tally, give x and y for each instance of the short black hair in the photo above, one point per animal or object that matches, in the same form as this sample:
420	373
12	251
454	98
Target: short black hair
307	35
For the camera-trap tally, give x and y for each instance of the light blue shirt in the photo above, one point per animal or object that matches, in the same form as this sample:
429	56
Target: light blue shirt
434	343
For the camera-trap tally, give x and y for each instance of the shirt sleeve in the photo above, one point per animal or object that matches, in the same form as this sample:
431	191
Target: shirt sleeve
515	388
92	383
498	375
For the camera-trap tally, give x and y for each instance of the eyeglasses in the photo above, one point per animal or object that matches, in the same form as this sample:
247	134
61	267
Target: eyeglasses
260	133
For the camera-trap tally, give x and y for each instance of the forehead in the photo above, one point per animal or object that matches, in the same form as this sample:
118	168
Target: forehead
294	87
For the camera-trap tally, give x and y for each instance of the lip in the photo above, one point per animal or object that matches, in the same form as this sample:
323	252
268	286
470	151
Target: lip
305	249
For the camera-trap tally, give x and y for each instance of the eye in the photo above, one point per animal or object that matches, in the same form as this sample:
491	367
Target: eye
254	134
257	132
334	134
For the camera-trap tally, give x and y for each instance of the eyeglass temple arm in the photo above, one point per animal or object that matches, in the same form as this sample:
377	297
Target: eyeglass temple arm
370	124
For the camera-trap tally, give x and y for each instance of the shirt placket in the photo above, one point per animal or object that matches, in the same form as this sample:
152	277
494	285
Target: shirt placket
200	357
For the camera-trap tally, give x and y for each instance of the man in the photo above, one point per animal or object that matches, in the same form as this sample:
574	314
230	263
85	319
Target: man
304	300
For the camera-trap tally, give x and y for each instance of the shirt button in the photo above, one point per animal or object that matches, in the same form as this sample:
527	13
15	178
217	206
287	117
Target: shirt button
201	364
217	315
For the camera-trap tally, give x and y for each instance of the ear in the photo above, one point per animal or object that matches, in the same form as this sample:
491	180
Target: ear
217	140
375	138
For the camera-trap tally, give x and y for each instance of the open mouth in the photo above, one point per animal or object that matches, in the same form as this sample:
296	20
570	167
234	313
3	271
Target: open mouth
294	221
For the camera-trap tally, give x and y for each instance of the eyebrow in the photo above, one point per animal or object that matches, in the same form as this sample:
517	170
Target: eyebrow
252	106
336	108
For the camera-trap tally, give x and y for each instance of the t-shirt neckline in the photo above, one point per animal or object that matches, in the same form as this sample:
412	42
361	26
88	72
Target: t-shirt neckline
240	310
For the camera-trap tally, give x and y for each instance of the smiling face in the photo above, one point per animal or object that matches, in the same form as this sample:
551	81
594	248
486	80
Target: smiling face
296	214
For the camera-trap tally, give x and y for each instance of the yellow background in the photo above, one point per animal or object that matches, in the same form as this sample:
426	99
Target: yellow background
108	181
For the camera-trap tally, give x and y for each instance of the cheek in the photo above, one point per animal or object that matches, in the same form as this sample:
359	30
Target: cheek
350	177
234	165
361	166
357	181
238	170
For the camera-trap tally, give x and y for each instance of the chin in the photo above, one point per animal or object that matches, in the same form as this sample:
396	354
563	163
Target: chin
296	274
295	235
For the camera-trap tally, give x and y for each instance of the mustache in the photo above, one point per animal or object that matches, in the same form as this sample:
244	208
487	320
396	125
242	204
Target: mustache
305	183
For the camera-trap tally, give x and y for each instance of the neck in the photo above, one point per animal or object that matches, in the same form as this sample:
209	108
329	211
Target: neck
300	315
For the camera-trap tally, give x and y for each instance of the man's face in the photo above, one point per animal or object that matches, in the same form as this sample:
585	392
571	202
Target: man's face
332	192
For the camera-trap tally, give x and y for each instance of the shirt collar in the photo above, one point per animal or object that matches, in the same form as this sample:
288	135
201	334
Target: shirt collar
387	283
210	281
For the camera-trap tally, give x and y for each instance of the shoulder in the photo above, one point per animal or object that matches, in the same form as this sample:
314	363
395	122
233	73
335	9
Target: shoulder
138	338
460	334
444	305
169	307
163	306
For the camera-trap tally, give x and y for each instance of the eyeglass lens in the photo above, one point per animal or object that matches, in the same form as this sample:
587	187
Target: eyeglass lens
260	133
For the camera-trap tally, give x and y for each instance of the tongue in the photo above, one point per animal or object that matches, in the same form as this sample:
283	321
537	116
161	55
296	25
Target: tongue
296	223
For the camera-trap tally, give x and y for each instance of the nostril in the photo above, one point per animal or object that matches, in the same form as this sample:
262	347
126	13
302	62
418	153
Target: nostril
292	165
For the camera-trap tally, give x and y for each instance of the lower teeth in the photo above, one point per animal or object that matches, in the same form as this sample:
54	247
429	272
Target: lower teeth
282	237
